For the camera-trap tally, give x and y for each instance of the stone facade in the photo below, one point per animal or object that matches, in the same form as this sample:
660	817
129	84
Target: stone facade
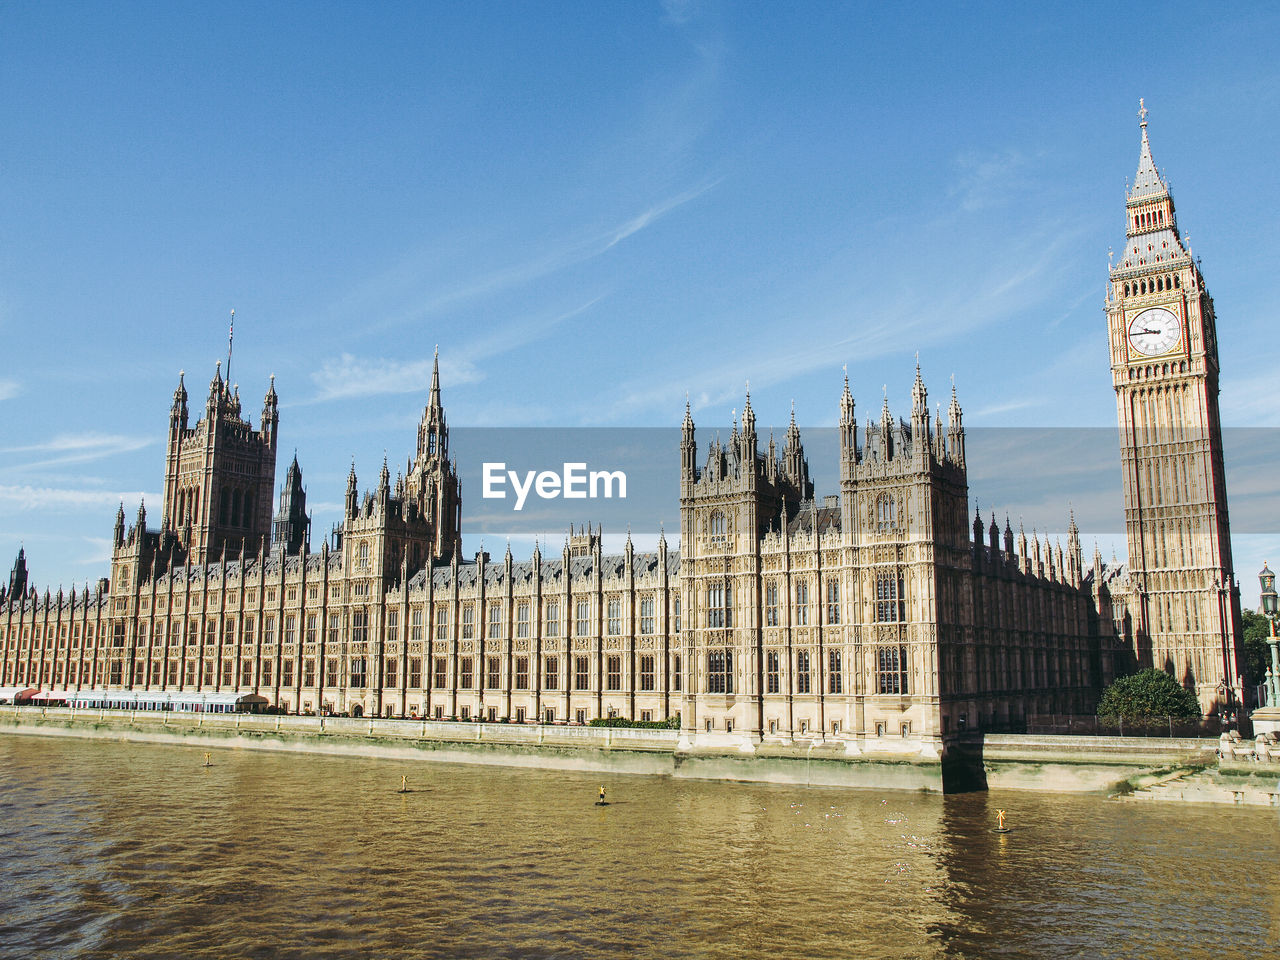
866	619
1181	595
879	618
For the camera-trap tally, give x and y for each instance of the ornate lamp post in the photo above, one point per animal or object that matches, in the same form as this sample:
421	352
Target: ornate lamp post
1271	607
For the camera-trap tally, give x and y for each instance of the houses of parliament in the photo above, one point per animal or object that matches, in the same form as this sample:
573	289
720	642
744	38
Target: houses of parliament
882	616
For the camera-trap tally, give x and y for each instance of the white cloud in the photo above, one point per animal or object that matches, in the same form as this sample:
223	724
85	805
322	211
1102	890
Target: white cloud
70	448
988	179
678	12
9	389
403	281
351	376
83	442
1249	401
657	211
24	497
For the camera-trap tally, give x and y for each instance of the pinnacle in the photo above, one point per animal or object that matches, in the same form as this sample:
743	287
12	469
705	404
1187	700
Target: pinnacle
1147	182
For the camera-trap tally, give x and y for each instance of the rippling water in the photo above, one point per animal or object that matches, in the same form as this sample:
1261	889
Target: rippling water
134	850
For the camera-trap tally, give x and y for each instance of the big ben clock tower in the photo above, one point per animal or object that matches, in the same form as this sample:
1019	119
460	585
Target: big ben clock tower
1164	365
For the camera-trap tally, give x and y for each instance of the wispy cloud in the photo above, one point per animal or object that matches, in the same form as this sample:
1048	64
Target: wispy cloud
25	497
851	326
80	442
348	376
987	179
68	448
1010	407
678	12
1249	401
9	389
654	213
403	282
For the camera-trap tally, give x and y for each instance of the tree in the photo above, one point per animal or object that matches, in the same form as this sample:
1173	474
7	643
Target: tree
1148	694
1257	655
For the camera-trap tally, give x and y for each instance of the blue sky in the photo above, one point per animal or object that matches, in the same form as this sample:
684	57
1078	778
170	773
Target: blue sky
592	209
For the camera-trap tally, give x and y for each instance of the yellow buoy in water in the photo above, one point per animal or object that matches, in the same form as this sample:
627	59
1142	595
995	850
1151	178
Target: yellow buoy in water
208	762
602	802
404	784
1001	828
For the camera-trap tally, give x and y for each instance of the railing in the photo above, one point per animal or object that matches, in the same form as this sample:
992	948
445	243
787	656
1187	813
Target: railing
1087	726
416	729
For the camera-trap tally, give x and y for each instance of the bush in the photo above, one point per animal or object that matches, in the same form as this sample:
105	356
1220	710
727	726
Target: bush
671	723
1146	695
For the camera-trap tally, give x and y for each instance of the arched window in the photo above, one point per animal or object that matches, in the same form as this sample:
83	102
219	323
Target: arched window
226	506
890	602
235	508
891	670
716	527
886	512
720	604
363	554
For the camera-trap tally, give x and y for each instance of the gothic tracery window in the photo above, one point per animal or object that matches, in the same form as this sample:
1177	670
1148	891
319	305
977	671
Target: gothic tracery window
890	601
716	527
891	670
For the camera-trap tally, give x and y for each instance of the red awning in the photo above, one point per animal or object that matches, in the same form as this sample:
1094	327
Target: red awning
45	695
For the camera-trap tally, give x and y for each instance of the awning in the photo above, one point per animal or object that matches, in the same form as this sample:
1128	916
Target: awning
9	694
44	696
175	698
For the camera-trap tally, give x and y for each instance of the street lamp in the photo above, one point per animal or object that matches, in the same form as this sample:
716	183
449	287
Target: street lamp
1271	607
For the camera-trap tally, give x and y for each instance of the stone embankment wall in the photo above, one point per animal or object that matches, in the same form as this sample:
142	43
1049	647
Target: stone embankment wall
1068	764
1043	763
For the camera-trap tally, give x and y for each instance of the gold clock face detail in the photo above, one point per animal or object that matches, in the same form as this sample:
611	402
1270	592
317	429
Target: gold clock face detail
1154	332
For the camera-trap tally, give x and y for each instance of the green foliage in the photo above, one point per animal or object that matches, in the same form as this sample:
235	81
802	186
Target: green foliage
1257	653
671	723
1146	695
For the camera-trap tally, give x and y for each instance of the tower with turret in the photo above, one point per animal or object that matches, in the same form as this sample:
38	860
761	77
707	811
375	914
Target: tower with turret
292	527
1164	365
219	474
431	479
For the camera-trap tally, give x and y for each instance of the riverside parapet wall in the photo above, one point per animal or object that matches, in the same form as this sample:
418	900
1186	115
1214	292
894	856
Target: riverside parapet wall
1059	764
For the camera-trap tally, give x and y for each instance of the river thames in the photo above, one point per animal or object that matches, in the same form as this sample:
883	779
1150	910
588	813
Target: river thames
135	850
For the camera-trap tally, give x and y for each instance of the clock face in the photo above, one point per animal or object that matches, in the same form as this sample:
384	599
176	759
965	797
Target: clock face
1154	331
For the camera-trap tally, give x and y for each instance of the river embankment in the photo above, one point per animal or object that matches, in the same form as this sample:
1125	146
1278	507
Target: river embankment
1058	764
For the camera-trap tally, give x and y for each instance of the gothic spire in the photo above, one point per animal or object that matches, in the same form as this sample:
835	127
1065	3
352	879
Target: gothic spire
433	435
435	379
919	396
846	401
1147	182
352	492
